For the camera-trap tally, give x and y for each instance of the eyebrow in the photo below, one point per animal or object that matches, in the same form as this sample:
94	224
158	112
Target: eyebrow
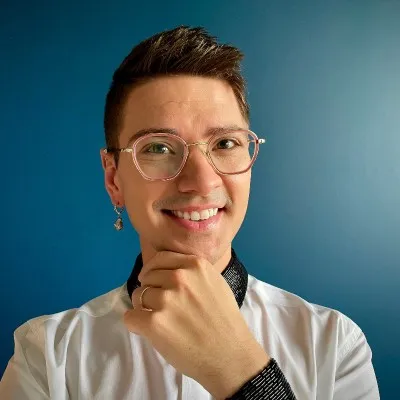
210	131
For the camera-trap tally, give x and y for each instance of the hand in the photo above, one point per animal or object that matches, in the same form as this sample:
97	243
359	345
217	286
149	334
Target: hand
196	324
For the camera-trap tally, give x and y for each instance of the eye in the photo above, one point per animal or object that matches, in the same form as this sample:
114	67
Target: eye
226	143
158	148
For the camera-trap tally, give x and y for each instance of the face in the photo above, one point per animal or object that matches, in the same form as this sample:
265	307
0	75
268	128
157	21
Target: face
193	107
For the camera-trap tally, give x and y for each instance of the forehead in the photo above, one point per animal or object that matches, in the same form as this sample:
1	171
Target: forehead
190	105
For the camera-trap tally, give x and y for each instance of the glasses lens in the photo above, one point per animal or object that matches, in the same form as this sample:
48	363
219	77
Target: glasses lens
159	156
233	152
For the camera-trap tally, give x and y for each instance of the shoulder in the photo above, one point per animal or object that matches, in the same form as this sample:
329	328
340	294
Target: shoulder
109	305
290	311
43	344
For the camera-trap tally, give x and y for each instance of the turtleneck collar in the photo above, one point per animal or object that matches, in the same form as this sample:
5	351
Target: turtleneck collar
235	274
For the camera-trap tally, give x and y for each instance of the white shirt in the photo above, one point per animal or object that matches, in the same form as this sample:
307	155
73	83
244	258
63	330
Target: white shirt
87	353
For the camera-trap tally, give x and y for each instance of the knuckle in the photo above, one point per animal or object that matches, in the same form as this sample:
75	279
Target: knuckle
165	297
179	277
198	263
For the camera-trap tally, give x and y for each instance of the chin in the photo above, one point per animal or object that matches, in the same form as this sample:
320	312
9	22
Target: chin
212	252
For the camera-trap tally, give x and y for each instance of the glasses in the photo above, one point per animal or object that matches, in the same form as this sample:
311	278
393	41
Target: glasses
162	156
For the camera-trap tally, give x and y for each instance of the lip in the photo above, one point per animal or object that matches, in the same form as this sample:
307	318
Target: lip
196	226
198	208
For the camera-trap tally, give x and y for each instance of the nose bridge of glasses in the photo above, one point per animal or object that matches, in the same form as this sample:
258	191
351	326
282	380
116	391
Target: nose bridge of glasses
203	150
197	144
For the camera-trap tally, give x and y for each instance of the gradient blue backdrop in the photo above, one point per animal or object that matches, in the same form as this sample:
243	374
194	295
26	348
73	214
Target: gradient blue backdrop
324	217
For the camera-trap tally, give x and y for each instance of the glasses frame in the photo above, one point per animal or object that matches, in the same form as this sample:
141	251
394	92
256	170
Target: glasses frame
132	149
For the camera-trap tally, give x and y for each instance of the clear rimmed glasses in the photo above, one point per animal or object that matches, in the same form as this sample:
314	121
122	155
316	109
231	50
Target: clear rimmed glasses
162	156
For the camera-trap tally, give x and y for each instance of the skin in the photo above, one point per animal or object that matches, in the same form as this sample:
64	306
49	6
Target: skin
191	301
191	105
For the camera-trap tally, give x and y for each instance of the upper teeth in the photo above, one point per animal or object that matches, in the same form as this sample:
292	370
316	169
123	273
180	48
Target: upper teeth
196	215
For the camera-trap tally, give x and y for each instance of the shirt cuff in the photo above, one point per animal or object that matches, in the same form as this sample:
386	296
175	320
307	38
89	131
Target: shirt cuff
270	383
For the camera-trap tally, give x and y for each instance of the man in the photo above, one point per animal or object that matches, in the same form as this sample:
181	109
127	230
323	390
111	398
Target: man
190	323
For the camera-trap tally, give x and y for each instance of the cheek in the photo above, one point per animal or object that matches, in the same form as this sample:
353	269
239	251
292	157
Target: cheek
136	193
238	187
138	206
140	196
240	184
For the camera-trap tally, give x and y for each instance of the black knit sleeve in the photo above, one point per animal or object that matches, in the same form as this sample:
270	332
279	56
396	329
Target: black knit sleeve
269	384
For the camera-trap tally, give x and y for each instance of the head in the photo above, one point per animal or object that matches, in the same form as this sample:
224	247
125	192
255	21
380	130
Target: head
183	82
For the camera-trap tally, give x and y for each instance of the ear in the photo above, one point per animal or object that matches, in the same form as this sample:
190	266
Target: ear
111	179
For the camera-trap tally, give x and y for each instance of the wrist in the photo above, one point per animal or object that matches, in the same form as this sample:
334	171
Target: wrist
236	372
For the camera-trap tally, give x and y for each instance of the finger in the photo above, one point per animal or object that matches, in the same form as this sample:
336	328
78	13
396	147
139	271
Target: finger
168	260
162	278
138	322
153	298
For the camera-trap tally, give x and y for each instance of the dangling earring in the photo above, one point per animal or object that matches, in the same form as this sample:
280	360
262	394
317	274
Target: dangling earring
118	224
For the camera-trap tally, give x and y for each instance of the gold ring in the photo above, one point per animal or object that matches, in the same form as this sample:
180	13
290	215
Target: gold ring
141	299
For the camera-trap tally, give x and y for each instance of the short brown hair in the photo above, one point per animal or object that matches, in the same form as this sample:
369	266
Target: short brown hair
183	50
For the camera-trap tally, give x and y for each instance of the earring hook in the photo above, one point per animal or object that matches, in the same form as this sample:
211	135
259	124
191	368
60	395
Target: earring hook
118	224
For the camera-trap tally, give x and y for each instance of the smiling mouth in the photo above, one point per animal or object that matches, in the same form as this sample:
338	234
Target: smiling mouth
200	215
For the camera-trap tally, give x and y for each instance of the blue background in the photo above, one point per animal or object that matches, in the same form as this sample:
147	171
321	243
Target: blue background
324	217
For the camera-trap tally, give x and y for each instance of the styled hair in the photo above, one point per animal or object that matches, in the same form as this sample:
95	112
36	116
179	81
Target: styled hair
180	51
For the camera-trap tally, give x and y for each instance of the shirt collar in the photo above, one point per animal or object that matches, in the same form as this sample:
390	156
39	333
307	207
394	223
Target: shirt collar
235	274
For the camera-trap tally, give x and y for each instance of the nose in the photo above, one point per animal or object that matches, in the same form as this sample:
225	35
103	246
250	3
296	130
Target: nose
198	175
